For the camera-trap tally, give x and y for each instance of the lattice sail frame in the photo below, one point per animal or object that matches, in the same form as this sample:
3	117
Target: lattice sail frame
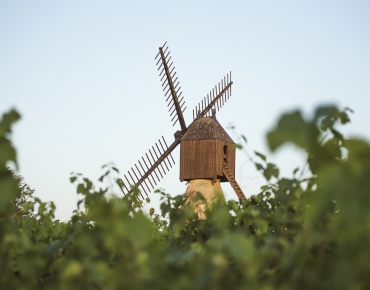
139	178
216	99
171	87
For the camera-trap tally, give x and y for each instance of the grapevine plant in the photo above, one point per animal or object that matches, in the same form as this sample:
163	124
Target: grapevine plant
308	231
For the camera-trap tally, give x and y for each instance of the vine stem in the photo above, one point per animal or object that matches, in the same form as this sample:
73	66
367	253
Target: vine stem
246	152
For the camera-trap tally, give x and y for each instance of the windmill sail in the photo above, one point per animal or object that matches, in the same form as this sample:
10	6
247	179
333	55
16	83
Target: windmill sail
216	98
152	168
158	161
171	87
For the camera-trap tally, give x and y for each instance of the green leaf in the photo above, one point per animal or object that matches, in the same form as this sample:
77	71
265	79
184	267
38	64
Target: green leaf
7	152
238	146
271	171
79	203
259	166
8	191
120	183
104	175
327	123
72	179
8	119
230	126
26	207
72	269
344	119
262	226
263	157
244	138
326	111
292	128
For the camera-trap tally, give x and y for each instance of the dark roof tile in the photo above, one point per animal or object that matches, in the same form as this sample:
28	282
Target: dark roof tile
206	128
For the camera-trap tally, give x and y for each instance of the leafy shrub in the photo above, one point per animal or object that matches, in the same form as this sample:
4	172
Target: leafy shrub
297	233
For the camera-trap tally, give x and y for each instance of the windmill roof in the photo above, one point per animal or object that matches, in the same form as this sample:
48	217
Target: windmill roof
206	128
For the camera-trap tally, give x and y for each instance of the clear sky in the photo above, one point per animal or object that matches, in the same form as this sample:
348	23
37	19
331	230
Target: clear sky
83	76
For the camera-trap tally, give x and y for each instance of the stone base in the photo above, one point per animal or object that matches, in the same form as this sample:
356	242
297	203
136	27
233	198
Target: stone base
211	191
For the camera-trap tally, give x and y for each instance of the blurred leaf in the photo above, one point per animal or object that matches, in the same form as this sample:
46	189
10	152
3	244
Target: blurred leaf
8	191
72	269
259	166
238	146
7	153
104	175
244	138
120	183
344	119
270	171
326	111
26	207
7	120
263	157
290	128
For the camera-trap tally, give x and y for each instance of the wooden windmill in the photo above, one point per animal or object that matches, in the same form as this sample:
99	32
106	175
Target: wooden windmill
206	150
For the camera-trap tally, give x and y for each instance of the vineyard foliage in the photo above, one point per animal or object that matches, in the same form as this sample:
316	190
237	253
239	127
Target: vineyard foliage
308	231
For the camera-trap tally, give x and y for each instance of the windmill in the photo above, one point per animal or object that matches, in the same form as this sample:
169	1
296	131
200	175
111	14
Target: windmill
206	150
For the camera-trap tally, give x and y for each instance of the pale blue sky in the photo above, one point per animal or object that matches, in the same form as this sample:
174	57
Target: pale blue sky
83	76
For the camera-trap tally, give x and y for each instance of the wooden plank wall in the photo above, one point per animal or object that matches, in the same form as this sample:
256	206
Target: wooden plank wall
203	158
231	159
219	156
197	159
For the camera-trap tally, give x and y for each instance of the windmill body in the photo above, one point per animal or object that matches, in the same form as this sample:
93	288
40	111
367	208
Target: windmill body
203	149
207	153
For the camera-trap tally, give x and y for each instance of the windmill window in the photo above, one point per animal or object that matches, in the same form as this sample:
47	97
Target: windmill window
225	153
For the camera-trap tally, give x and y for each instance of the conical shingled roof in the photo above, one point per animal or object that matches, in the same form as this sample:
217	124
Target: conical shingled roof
206	128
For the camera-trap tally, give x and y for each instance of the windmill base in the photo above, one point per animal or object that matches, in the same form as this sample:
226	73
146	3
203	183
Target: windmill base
209	189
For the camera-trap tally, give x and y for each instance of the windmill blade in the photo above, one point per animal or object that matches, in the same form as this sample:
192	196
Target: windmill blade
216	98
171	86
230	177
150	169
